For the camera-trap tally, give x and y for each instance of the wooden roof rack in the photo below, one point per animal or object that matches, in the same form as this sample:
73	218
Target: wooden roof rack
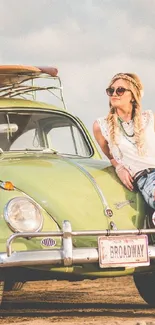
18	80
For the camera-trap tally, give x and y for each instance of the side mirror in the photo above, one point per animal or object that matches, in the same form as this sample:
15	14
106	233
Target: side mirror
8	128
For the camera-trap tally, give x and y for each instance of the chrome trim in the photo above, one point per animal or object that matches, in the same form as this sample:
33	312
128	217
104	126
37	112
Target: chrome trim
49	257
30	235
55	257
113	226
92	180
66	255
67	244
120	205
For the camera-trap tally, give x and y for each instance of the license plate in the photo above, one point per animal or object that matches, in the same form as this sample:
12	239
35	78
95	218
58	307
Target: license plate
122	251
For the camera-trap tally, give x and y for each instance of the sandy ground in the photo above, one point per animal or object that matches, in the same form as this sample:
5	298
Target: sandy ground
106	301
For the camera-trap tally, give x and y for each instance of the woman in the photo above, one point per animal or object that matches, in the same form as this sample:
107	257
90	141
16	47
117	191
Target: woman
127	137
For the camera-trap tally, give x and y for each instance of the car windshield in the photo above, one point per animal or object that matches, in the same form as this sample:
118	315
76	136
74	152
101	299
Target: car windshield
35	130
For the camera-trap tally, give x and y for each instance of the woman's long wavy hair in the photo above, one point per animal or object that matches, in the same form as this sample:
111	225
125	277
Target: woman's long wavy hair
136	88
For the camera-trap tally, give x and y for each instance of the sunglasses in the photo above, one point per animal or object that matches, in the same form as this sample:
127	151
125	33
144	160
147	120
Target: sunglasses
119	91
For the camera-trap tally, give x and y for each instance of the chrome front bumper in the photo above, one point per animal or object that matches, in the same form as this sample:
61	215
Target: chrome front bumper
66	255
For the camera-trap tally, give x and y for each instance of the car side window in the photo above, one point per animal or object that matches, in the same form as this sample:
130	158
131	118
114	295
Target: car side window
42	130
68	140
27	140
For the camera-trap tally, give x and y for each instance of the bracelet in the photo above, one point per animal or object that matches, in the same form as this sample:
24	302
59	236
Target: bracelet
119	167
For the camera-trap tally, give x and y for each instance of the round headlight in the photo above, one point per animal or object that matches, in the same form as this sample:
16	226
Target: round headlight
23	215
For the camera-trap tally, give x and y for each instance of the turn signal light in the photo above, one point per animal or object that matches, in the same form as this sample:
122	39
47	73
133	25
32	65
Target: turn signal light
7	186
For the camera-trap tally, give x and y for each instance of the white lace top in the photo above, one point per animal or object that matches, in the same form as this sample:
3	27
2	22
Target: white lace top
126	152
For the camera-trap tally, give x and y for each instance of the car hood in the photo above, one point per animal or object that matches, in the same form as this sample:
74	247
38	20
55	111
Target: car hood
75	190
59	186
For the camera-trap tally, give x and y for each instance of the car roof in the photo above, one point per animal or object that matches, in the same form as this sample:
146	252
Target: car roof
25	103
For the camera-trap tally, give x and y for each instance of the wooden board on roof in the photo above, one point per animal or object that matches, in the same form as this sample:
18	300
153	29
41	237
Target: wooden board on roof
16	74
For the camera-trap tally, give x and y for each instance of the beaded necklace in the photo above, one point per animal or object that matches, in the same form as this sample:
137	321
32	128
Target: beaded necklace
126	135
123	129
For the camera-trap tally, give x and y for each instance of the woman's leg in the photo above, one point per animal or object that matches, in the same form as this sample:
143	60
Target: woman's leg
146	185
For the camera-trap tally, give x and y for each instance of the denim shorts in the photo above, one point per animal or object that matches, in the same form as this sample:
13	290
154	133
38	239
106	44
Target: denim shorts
146	185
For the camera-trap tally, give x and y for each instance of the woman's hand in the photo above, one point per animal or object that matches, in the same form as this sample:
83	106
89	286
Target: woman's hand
124	176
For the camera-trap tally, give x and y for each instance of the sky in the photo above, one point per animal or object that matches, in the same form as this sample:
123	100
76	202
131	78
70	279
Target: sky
87	40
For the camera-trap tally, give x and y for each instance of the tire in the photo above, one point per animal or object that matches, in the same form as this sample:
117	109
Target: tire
2	283
145	284
13	286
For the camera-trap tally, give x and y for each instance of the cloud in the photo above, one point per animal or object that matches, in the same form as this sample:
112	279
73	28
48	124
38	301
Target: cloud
73	31
23	17
88	40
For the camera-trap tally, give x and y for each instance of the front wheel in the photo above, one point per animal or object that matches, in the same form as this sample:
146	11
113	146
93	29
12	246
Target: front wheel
145	283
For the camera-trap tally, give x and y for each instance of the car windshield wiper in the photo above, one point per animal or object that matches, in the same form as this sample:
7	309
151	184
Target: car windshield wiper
48	150
44	150
72	155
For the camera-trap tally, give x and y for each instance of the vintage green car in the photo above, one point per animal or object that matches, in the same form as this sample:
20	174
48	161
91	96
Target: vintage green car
63	212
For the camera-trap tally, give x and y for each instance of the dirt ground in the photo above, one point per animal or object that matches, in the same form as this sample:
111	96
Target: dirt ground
106	301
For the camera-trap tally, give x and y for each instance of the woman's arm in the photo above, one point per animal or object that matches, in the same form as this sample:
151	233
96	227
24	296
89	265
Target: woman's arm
121	171
103	143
